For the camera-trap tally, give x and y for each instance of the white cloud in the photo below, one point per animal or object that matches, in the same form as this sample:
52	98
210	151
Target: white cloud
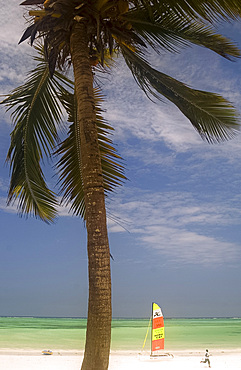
15	59
115	226
171	223
12	22
127	107
179	226
133	115
152	122
4	207
3	185
184	246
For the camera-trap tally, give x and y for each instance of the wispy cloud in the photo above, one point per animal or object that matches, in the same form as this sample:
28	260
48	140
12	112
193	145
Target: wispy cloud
183	246
4	207
15	61
127	107
178	225
12	22
134	116
3	185
175	224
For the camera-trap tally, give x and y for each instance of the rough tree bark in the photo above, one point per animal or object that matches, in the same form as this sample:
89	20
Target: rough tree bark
98	333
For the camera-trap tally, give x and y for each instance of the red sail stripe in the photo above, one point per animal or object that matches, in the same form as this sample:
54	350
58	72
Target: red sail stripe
157	345
158	322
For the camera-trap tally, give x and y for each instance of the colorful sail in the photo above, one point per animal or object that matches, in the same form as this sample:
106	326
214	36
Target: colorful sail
158	333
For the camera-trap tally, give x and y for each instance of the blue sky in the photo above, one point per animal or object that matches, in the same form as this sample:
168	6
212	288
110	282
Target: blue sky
174	226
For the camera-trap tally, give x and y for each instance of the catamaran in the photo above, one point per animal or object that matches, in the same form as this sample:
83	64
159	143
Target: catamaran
157	333
158	330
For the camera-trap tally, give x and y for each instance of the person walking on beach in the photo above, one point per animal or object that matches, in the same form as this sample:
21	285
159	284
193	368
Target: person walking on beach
206	359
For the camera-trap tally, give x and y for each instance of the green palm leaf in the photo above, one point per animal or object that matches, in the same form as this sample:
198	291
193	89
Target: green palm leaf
212	116
173	31
70	165
36	109
211	10
111	166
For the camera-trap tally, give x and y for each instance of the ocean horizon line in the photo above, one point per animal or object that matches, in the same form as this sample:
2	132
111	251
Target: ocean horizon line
123	317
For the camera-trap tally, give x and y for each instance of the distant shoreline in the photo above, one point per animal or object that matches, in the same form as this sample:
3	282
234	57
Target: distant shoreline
78	352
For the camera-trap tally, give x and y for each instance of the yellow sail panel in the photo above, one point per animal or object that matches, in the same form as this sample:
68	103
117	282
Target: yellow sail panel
158	333
156	310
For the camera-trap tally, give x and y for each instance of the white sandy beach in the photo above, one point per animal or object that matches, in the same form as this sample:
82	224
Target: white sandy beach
70	360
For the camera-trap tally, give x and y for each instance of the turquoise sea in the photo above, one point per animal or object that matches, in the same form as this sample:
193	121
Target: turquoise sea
127	334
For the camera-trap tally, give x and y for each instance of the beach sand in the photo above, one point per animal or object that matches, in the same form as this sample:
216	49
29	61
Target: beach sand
128	360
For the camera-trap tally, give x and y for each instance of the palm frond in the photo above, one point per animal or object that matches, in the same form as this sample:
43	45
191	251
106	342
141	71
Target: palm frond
173	31
111	162
210	10
212	116
32	2
35	110
70	165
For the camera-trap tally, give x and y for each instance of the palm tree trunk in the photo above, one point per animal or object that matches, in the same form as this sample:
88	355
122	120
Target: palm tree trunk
98	333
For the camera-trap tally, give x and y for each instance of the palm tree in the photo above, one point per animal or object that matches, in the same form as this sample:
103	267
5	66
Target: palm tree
87	34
